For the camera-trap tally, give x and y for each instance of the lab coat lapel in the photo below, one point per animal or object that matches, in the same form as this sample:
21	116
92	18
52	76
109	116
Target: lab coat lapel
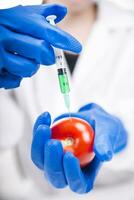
92	53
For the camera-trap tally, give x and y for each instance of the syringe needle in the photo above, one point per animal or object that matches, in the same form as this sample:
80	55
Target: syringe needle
67	100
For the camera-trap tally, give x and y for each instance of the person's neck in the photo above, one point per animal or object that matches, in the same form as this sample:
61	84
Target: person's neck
80	25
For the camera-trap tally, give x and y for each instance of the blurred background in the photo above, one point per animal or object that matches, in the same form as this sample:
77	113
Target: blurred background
19	178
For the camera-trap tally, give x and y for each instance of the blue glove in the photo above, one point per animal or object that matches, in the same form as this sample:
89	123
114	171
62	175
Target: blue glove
25	41
62	169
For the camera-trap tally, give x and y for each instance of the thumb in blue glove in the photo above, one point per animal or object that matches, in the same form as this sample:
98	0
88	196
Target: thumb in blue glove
26	40
62	169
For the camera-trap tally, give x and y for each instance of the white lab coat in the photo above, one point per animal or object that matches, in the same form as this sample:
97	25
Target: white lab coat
104	74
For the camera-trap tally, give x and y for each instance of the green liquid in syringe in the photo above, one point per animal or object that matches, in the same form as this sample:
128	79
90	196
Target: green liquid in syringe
64	86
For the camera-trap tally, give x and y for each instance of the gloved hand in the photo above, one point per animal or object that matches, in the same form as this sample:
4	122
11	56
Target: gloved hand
25	41
62	169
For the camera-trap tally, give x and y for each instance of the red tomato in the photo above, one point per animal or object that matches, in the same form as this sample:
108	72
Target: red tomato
76	136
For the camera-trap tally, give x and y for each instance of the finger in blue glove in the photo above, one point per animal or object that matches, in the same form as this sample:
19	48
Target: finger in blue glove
26	39
53	165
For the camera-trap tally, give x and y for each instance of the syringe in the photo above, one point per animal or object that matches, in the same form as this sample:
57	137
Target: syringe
61	69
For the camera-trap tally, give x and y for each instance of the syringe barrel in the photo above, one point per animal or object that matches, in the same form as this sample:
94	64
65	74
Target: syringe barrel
63	81
59	56
62	71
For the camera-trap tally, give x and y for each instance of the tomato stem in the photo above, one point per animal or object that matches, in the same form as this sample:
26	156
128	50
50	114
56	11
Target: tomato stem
67	142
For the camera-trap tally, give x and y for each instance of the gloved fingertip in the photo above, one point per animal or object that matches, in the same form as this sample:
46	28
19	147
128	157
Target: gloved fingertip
44	118
62	14
89	186
10	81
47	117
103	147
104	155
12	85
53	144
75	46
49	62
55	9
35	69
109	155
79	48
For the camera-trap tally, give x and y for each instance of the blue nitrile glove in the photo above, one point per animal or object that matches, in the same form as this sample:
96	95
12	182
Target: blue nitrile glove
62	169
25	41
